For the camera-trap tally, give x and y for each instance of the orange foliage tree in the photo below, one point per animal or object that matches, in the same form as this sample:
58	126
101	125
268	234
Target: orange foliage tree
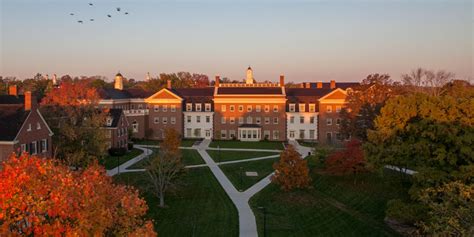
291	171
72	94
348	161
41	197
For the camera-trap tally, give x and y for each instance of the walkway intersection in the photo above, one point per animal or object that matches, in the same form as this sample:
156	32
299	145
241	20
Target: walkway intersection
247	223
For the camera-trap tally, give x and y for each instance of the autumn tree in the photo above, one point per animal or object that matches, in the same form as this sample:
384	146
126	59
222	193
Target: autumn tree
291	171
178	80
71	112
40	197
163	168
364	104
431	134
426	81
348	161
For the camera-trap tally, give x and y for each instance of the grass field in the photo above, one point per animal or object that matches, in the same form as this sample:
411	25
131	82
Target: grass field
248	145
233	172
237	155
198	206
189	157
333	206
184	143
110	162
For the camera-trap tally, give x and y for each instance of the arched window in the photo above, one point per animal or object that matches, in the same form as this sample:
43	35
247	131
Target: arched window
135	126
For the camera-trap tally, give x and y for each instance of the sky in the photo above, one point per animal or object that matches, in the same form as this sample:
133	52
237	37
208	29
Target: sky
319	40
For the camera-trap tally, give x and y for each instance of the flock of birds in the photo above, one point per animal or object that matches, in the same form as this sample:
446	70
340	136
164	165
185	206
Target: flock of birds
118	9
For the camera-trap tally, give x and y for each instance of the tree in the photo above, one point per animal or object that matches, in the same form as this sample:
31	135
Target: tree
164	167
364	104
71	112
291	171
348	161
42	197
426	81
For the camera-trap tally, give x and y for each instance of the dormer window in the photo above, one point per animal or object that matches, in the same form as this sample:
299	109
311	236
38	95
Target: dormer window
312	108
109	121
207	107
198	107
302	108
189	107
292	107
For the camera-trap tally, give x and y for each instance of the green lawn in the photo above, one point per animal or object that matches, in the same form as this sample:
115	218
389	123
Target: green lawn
189	157
237	155
110	162
233	172
198	206
248	145
307	144
333	206
184	143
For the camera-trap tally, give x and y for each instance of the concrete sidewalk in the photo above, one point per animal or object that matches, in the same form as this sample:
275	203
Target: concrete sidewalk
124	166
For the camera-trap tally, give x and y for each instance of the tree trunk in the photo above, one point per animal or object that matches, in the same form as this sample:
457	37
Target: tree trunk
162	199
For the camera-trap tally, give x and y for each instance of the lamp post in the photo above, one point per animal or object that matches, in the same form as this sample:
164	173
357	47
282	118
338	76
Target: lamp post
219	153
241	178
263	209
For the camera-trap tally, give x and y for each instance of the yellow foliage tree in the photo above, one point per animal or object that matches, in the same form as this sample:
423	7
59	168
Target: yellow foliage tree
291	171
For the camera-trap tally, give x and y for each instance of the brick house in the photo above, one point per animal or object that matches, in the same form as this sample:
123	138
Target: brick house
116	127
22	127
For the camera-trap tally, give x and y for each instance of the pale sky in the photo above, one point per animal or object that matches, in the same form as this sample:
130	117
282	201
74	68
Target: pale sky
342	40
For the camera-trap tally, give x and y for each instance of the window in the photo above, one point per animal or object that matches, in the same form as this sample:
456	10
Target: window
292	134
329	121
207	107
156	108
223	133
241	120
33	148
301	119
29	127
311	134
266	134
38	126
208	119
292	119
232	108
257	120
276	134
258	108
165	108
249	108
198	107
156	120
292	107
301	133
232	120
173	108
275	120
329	137
188	132
302	108
223	120
135	126
173	120
241	108
329	109
231	133
109	121
198	119
223	108
267	120
312	108
311	119
197	132
338	121
140	106
165	120
23	148
275	108
188	119
249	120
338	109
267	108
338	136
44	145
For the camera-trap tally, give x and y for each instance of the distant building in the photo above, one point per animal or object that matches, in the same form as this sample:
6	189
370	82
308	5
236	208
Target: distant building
248	111
22	127
116	126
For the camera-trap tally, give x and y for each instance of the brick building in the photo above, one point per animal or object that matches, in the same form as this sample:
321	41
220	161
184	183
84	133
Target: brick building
247	111
22	127
116	127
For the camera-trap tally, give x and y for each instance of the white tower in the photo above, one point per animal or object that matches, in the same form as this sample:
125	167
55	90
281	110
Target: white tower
148	77
249	79
55	79
118	82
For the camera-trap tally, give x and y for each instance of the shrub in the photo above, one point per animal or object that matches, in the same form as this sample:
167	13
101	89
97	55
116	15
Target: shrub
117	151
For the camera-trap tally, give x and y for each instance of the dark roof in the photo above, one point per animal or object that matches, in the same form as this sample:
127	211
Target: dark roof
249	90
12	118
246	125
111	93
327	85
139	93
307	92
11	99
185	92
118	74
115	114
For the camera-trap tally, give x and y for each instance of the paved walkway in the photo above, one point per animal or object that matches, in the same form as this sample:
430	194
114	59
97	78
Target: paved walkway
123	167
396	168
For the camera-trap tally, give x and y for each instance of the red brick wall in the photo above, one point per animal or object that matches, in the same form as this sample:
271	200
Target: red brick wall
159	128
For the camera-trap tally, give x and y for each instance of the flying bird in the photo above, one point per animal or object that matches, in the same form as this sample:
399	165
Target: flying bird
126	13
90	4
72	14
80	22
109	15
118	9
91	19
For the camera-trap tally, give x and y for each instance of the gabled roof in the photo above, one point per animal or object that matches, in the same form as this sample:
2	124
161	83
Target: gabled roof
196	95
115	114
12	118
111	93
249	91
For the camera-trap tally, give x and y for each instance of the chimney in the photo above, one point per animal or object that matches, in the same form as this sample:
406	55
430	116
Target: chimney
13	90
333	84
216	83
282	80
29	101
319	85
308	85
168	84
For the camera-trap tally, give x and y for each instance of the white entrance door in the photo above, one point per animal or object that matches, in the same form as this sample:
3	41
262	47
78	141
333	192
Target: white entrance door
208	133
